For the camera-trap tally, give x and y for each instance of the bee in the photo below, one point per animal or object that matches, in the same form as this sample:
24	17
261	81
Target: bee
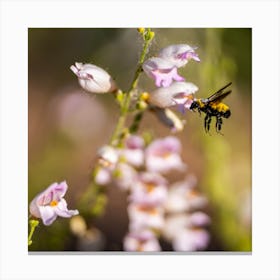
213	107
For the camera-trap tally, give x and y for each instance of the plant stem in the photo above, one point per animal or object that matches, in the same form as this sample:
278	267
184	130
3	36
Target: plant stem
91	197
33	224
126	103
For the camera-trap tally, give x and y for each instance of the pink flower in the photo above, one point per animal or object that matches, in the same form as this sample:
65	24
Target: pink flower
162	155
177	222
133	152
103	176
92	78
149	189
178	94
50	203
145	217
182	196
124	176
162	71
142	241
179	54
191	240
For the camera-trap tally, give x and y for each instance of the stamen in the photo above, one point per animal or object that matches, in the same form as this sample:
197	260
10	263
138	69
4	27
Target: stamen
53	203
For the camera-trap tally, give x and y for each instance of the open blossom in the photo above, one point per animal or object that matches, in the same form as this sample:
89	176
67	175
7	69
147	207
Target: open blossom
124	176
191	239
178	94
133	152
50	203
103	176
182	196
163	155
179	54
180	221
141	241
92	78
162	71
145	217
149	189
108	157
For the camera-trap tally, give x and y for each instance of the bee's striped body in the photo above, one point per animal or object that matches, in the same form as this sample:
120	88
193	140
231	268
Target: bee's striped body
213	107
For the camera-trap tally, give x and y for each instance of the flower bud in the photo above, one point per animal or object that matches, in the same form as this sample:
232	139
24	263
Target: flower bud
107	156
179	55
93	79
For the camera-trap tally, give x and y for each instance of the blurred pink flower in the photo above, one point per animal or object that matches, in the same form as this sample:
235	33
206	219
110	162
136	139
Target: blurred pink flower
103	176
50	203
134	142
133	152
191	240
124	176
92	78
162	155
177	222
182	196
142	241
162	71
149	189
179	54
145	217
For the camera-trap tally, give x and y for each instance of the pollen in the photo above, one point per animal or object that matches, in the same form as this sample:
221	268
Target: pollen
53	203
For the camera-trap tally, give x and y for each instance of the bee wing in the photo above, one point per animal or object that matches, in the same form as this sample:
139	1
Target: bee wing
219	95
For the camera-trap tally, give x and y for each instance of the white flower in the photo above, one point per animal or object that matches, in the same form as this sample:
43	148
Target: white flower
179	54
178	93
108	156
93	79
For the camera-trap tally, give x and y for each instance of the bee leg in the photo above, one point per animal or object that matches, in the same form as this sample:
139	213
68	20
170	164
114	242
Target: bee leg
207	121
219	123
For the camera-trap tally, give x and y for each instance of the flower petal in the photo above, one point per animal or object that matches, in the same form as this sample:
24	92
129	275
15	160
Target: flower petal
62	210
47	214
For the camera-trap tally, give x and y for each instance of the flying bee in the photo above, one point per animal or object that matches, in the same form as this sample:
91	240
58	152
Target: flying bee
213	107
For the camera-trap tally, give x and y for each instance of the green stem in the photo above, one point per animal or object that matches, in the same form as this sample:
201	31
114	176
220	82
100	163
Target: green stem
33	224
95	192
126	103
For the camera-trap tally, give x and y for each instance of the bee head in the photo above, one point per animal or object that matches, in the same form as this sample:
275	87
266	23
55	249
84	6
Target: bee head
194	105
227	114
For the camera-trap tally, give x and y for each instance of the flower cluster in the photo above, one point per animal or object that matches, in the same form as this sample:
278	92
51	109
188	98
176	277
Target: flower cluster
172	90
185	222
141	170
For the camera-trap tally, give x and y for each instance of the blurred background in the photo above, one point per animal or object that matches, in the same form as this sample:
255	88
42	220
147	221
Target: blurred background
67	126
